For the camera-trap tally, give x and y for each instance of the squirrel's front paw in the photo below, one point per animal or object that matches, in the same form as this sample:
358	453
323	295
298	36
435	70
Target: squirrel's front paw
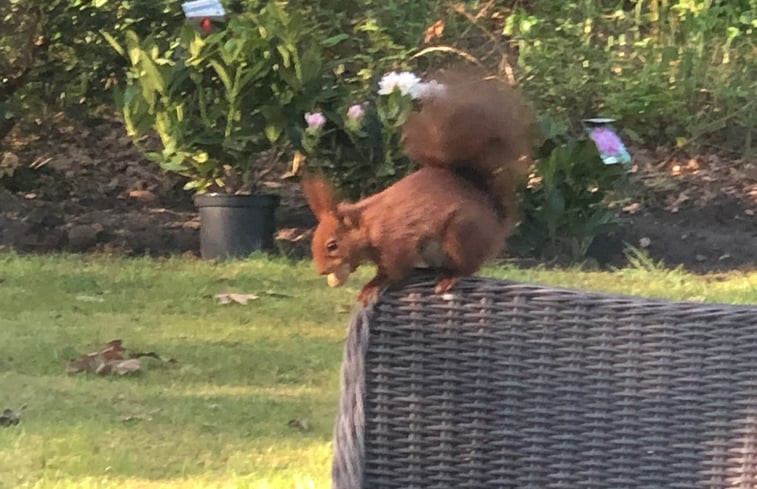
372	289
369	294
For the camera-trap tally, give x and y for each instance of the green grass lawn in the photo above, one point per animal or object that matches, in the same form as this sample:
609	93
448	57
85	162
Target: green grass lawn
221	416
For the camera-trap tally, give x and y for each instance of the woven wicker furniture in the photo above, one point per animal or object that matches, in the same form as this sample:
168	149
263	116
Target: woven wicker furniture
506	385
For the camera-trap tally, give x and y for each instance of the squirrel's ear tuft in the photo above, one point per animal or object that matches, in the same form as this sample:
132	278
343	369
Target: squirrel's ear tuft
320	195
348	214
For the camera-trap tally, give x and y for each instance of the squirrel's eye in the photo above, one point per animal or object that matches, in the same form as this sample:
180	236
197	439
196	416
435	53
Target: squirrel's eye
331	245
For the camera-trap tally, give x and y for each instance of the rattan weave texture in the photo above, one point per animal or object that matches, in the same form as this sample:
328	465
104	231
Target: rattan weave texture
507	385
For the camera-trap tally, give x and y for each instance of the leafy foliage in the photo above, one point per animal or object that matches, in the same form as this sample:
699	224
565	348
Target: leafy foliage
53	57
668	69
218	102
361	153
565	206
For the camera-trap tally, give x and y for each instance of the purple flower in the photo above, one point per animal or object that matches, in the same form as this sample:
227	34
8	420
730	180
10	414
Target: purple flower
355	112
315	121
607	141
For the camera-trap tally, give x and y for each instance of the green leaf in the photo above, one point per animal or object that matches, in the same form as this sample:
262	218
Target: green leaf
113	43
201	157
230	51
253	72
194	44
311	64
273	131
152	79
555	203
275	121
286	56
136	112
222	74
192	185
154	156
133	47
334	40
175	163
165	129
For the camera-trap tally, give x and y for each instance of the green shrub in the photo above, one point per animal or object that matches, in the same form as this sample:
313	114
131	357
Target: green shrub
668	69
218	102
359	144
68	64
565	204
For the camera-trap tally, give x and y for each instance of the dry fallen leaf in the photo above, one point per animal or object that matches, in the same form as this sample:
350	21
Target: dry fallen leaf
192	224
435	31
278	295
94	362
677	202
142	195
89	298
292	234
111	360
135	417
8	164
151	354
10	417
127	366
632	208
235	298
298	161
300	424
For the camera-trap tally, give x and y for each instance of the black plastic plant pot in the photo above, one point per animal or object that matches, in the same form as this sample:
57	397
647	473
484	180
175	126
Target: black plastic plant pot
233	226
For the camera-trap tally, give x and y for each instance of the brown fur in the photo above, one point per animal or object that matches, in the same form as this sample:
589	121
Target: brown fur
452	214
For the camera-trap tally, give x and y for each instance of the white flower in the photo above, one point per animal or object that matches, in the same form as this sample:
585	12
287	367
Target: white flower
428	90
404	81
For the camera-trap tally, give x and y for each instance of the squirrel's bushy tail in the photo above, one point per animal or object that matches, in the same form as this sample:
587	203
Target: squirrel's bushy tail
479	128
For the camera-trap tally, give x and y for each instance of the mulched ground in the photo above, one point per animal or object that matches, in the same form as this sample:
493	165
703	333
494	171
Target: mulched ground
83	189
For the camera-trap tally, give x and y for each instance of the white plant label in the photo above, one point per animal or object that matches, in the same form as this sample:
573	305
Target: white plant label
203	8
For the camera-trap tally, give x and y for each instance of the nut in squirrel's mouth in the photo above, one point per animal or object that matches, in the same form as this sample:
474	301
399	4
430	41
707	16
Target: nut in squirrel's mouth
339	276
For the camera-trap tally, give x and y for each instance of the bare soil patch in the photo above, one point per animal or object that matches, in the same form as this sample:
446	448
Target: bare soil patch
83	189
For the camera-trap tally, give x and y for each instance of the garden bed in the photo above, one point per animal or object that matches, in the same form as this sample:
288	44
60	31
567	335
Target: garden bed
92	191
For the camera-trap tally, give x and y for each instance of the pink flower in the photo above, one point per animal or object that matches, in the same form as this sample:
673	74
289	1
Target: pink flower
355	112
315	120
607	141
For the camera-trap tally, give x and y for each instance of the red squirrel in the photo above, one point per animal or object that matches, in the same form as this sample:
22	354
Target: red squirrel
471	142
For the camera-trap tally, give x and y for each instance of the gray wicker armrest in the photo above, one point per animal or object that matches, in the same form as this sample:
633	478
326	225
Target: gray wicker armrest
519	386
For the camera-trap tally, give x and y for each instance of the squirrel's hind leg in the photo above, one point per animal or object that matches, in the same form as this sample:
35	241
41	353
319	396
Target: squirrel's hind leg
467	243
445	283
